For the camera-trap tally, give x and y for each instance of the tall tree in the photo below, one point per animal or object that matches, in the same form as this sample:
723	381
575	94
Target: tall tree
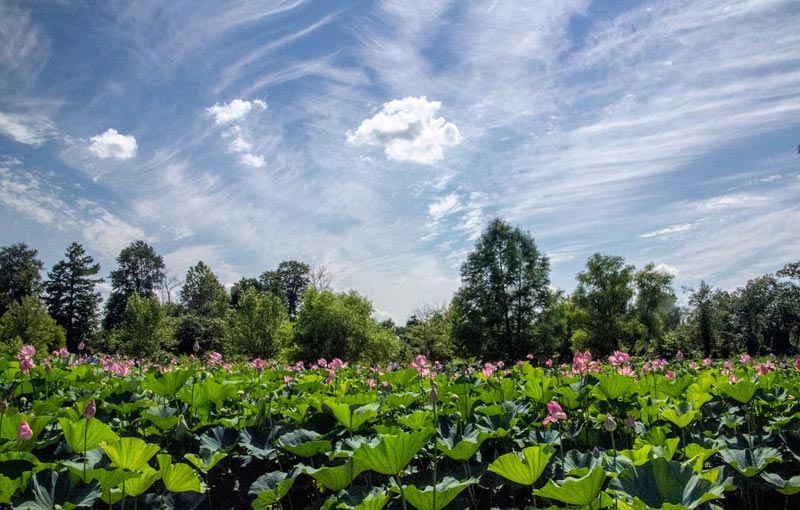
71	297
332	325
428	332
140	271
259	327
27	322
146	331
604	294
20	274
504	287
655	305
289	282
204	303
202	293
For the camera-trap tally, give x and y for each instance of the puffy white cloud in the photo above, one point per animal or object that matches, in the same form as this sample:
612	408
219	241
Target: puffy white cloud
674	229
408	130
253	160
30	130
235	110
112	144
447	204
667	269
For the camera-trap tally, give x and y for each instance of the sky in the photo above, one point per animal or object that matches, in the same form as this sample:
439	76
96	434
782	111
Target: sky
378	139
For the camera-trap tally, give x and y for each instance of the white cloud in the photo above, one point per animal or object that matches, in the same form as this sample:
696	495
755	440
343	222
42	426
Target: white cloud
736	200
239	144
235	110
408	130
667	269
27	129
110	234
674	229
253	160
447	204
112	144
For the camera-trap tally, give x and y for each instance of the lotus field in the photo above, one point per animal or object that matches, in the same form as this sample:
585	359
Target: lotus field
80	431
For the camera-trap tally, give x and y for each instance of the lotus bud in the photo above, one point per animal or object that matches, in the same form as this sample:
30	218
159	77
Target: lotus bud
434	396
609	423
630	422
196	346
81	346
3	406
24	431
90	410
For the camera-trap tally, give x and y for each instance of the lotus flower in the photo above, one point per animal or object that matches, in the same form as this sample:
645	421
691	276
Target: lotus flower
24	431
679	356
26	364
797	363
90	410
556	413
27	351
609	423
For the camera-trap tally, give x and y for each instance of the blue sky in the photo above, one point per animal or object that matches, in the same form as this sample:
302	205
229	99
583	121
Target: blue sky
379	138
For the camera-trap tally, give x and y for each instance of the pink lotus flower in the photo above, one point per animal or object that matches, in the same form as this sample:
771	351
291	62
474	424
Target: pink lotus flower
488	370
732	379
728	364
627	372
797	364
371	384
28	351
331	376
679	355
336	364
215	358
670	374
24	431
259	364
529	356
556	413
321	363
288	379
81	346
744	358
707	362
90	410
630	422
548	363
619	358
420	364
26	364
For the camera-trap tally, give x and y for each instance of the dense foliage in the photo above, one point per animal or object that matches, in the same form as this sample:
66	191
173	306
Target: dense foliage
504	309
76	431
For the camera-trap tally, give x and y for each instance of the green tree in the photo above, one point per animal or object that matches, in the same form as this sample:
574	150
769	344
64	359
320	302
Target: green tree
340	325
140	271
504	288
27	322
146	331
19	274
428	331
239	288
71	297
289	282
655	306
259	327
768	312
604	294
202	293
554	328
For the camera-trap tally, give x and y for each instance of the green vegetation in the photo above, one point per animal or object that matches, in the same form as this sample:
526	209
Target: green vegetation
505	309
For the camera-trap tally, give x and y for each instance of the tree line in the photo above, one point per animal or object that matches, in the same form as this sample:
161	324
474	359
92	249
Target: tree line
505	309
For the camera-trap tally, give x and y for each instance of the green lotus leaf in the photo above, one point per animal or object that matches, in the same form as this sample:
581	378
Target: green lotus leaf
374	499
465	448
614	386
167	384
207	462
50	490
575	491
446	491
750	461
352	418
523	468
335	478
742	391
163	417
662	483
304	443
393	453
681	415
92	431
788	487
130	453
270	488
178	477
